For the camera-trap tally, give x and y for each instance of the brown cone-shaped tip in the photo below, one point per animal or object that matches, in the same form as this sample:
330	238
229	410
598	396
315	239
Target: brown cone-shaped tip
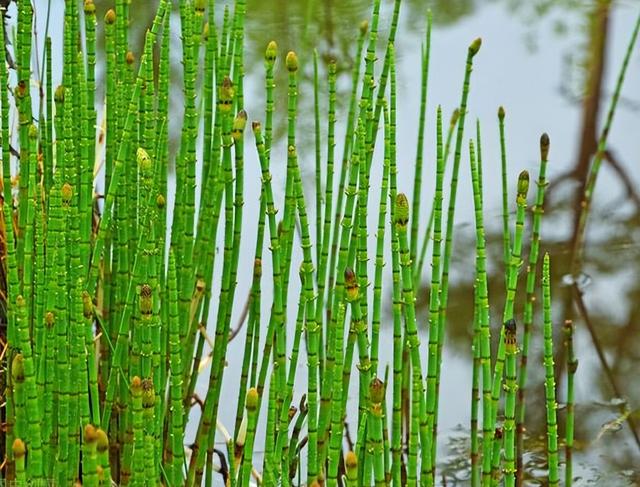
364	27
544	146
475	46
59	94
205	31
455	115
523	184
89	7
501	113
257	268
376	390
292	412
200	285
292	62
110	17
349	276
402	209
239	123
148	394
87	305
252	399
17	368
351	460
21	89
271	52
103	440
90	433
161	201
136	386
18	448
67	193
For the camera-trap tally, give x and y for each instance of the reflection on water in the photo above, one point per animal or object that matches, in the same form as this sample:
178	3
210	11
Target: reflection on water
532	86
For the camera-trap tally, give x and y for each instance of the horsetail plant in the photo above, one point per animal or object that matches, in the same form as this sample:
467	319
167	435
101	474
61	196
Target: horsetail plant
117	297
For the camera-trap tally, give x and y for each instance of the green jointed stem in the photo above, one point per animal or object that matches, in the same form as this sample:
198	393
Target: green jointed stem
484	341
475	391
375	418
514	266
549	381
349	143
19	450
337	423
379	263
365	114
401	220
34	431
328	366
354	296
475	344
589	185
427	234
118	169
351	465
506	234
384	76
176	449
269	61
288	219
318	158
206	427
572	367
276	321
252	327
90	32
345	233
537	210
473	49
496	473
252	404
283	430
417	180
434	294
138	431
312	327
102	447
396	430
510	403
110	61
182	231
89	457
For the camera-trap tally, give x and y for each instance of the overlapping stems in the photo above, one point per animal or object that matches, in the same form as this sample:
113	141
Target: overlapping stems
108	315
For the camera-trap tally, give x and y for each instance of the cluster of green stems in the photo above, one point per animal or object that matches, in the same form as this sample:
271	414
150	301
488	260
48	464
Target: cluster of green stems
113	300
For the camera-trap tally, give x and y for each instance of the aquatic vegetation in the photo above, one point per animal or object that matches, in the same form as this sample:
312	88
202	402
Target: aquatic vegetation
112	301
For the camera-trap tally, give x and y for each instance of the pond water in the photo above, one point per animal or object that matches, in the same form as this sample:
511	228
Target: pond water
530	63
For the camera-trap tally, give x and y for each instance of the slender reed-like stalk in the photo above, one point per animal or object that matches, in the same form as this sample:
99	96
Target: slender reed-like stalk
549	382
572	367
538	211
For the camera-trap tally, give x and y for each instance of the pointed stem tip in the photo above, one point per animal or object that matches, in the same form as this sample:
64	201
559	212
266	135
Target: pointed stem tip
475	46
544	146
